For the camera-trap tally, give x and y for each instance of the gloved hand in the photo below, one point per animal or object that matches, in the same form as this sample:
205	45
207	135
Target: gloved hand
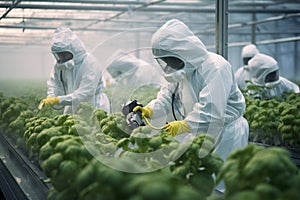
50	101
177	127
146	111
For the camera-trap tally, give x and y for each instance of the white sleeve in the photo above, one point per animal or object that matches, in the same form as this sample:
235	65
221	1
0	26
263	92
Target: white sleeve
54	84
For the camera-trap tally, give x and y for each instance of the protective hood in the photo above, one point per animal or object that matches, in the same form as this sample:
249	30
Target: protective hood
260	66
122	63
65	40
249	51
175	39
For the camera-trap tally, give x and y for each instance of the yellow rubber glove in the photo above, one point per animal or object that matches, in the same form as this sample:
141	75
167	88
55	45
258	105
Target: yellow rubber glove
50	101
107	83
177	127
146	111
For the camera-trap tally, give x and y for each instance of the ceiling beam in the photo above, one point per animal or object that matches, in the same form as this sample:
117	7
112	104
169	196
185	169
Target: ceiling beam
106	8
243	24
122	12
118	2
262	42
148	9
90	2
275	18
12	6
53	18
54	28
117	21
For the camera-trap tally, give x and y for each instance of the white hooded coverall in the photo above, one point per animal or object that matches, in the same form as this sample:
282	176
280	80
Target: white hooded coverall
126	69
243	73
81	82
211	99
260	66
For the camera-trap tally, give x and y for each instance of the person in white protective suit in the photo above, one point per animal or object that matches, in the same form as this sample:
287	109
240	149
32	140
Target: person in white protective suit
127	69
265	73
76	76
243	73
200	82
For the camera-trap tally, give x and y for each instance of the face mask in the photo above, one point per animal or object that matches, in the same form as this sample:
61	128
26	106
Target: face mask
66	65
175	77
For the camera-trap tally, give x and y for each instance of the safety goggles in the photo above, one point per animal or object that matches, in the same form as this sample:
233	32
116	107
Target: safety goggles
272	77
63	56
170	64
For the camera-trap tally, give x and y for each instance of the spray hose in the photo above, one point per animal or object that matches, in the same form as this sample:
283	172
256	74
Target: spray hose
150	125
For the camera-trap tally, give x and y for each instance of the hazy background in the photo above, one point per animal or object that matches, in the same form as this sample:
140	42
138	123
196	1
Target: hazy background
26	63
32	62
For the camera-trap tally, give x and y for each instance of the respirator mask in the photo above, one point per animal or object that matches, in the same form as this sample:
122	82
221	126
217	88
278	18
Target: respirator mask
66	65
175	77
